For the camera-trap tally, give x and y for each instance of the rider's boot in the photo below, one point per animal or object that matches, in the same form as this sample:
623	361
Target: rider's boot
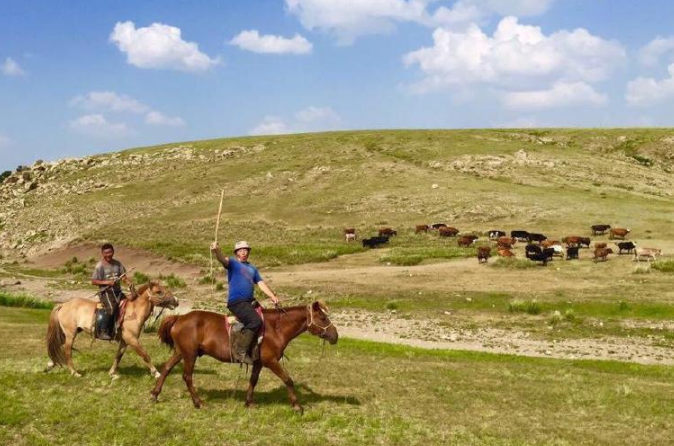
241	346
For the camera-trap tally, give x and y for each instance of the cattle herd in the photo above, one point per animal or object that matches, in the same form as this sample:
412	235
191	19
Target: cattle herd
538	248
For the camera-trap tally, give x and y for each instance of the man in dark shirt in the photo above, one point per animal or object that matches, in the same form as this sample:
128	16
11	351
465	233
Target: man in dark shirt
242	278
107	275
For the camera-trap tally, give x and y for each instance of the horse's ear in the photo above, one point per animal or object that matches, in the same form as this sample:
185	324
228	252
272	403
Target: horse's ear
319	305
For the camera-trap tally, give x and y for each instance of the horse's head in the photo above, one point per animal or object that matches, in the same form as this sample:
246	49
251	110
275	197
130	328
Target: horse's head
318	322
159	295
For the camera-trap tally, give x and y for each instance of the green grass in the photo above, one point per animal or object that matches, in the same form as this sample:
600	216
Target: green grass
511	263
407	396
173	281
23	301
407	256
529	307
665	266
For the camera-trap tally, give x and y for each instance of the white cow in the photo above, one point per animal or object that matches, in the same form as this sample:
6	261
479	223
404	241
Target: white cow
649	253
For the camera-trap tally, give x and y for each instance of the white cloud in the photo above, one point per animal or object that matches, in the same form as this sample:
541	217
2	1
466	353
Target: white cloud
645	91
310	119
98	126
650	54
560	95
109	101
515	56
348	19
270	44
270	125
157	118
11	68
159	46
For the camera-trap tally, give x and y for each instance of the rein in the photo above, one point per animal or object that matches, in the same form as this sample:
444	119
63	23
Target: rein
310	321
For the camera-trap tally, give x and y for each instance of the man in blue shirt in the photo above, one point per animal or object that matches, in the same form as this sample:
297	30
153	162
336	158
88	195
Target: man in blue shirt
242	277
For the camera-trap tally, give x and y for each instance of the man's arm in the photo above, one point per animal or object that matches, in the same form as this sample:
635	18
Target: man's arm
266	290
215	249
98	278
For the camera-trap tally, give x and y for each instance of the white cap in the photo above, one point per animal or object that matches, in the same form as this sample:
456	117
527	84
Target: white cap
241	245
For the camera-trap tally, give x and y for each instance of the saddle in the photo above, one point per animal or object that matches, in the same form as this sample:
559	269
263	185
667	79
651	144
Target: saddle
107	325
234	327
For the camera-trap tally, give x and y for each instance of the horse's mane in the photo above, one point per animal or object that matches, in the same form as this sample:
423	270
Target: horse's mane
143	288
321	304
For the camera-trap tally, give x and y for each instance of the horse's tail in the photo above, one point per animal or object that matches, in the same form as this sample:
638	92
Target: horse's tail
55	338
164	332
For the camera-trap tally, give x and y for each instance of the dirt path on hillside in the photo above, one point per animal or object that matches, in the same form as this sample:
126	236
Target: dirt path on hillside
384	327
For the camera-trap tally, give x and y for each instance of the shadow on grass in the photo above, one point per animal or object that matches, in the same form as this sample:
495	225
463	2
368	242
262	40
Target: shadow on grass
305	395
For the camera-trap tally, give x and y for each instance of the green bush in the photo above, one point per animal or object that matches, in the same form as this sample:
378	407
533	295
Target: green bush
207	280
140	278
173	281
523	306
665	266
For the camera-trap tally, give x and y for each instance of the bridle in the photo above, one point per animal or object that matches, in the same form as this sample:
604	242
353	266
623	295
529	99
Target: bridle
310	321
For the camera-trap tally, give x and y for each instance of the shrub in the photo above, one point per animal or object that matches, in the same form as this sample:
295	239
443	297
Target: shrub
555	318
569	315
207	280
391	305
665	266
219	286
173	281
622	306
523	306
139	277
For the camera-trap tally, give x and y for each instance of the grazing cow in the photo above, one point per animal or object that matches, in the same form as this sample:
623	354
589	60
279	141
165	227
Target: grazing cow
602	254
504	252
600	245
532	249
626	246
447	232
438	225
506	242
557	250
350	237
535	237
620	233
549	243
649	253
538	256
549	252
421	228
374	242
495	234
572	253
465	241
584	242
473	237
572	240
388	232
521	236
483	254
600	229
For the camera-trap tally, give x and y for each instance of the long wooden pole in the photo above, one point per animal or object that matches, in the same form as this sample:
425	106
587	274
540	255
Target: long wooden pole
217	226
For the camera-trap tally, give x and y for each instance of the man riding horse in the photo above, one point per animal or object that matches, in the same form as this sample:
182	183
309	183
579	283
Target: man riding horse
241	277
107	275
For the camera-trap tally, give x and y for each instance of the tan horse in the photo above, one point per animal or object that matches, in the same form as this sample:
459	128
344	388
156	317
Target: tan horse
77	315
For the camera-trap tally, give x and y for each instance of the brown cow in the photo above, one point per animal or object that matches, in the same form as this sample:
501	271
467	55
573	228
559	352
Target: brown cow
448	232
572	240
465	241
620	233
550	243
483	254
350	231
600	245
421	228
506	241
505	252
387	232
602	254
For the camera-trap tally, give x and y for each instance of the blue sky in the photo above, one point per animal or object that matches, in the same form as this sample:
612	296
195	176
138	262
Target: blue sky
83	77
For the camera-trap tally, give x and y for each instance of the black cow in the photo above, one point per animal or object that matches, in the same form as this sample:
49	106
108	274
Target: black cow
538	257
374	242
626	246
494	234
533	249
535	237
521	236
600	229
549	252
572	253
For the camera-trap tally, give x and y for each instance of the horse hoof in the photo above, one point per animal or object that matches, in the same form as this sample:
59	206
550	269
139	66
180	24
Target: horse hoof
114	376
77	375
299	409
156	374
198	405
250	405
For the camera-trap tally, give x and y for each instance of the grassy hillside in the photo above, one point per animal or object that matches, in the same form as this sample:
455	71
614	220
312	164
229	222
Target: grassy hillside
292	195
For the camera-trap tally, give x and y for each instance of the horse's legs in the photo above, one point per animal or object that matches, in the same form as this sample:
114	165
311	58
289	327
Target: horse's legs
254	376
118	358
70	339
135	344
187	377
175	359
288	381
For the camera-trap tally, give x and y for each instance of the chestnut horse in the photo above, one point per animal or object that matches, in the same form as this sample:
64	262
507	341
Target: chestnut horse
201	332
77	315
